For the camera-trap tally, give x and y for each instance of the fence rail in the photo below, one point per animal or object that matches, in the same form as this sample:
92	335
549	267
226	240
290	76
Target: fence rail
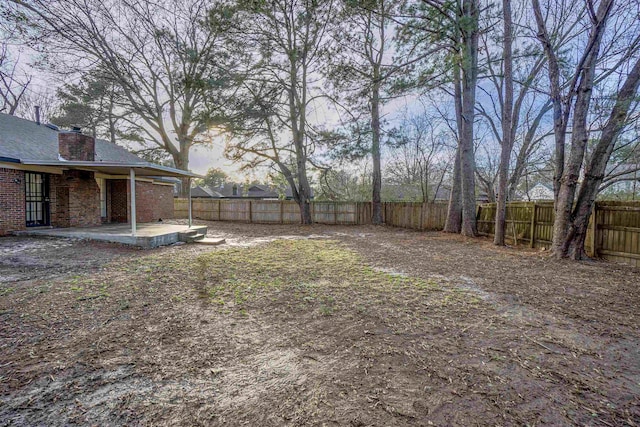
615	234
419	216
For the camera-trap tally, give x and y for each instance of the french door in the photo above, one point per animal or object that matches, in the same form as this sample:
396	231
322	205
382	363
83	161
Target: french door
37	199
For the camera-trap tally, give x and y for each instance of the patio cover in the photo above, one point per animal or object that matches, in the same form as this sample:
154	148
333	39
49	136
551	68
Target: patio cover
116	168
132	169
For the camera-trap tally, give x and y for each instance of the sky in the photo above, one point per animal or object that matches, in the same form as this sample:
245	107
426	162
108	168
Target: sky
44	84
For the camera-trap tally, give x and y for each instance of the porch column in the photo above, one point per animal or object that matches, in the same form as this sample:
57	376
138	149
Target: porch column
132	183
189	199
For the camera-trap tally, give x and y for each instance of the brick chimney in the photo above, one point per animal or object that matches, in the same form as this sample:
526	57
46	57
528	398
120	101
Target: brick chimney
76	146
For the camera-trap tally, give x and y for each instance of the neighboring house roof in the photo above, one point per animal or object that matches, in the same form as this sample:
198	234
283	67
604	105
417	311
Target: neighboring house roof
226	189
245	191
443	194
288	194
540	192
205	192
200	192
27	142
261	191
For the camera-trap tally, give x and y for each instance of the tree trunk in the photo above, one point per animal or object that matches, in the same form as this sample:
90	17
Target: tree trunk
454	211
304	192
181	161
507	126
559	125
453	224
375	149
573	242
469	79
579	138
304	189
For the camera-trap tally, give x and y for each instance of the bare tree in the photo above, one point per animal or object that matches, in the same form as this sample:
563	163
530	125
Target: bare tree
510	89
487	167
351	183
13	86
598	66
46	102
167	58
420	155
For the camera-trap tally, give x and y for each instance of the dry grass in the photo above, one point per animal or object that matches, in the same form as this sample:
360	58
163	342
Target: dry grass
358	329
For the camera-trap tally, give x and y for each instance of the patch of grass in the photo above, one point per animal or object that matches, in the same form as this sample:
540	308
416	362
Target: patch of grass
314	273
323	277
5	290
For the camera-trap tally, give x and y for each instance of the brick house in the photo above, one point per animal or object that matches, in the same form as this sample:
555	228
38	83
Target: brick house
51	178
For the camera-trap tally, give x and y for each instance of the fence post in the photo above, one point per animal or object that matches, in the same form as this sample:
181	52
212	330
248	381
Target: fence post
219	210
533	226
250	211
335	213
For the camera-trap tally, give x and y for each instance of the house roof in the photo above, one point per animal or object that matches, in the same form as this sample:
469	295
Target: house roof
259	190
540	192
26	142
204	192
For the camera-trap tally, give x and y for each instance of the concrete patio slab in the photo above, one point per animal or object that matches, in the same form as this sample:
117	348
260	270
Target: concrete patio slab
148	235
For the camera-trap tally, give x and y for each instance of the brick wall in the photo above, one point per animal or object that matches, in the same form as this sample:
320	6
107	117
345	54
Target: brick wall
76	146
12	207
75	199
153	202
118	199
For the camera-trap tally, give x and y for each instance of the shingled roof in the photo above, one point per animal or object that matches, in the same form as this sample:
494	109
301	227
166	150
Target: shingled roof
22	139
27	142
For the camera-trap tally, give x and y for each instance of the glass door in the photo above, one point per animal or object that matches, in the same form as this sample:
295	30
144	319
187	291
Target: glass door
37	199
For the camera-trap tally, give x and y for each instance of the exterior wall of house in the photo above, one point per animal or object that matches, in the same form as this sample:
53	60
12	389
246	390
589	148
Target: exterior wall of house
12	205
153	202
119	199
74	199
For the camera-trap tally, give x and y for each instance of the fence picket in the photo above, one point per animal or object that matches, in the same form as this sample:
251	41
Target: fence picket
614	231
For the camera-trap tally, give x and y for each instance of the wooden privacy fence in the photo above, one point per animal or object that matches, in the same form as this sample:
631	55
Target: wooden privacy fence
613	234
614	230
419	216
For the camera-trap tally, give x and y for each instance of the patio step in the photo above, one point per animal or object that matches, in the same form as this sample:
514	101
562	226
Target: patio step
198	236
210	241
193	234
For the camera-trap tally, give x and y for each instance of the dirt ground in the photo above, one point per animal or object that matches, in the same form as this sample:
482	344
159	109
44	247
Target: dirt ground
320	325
